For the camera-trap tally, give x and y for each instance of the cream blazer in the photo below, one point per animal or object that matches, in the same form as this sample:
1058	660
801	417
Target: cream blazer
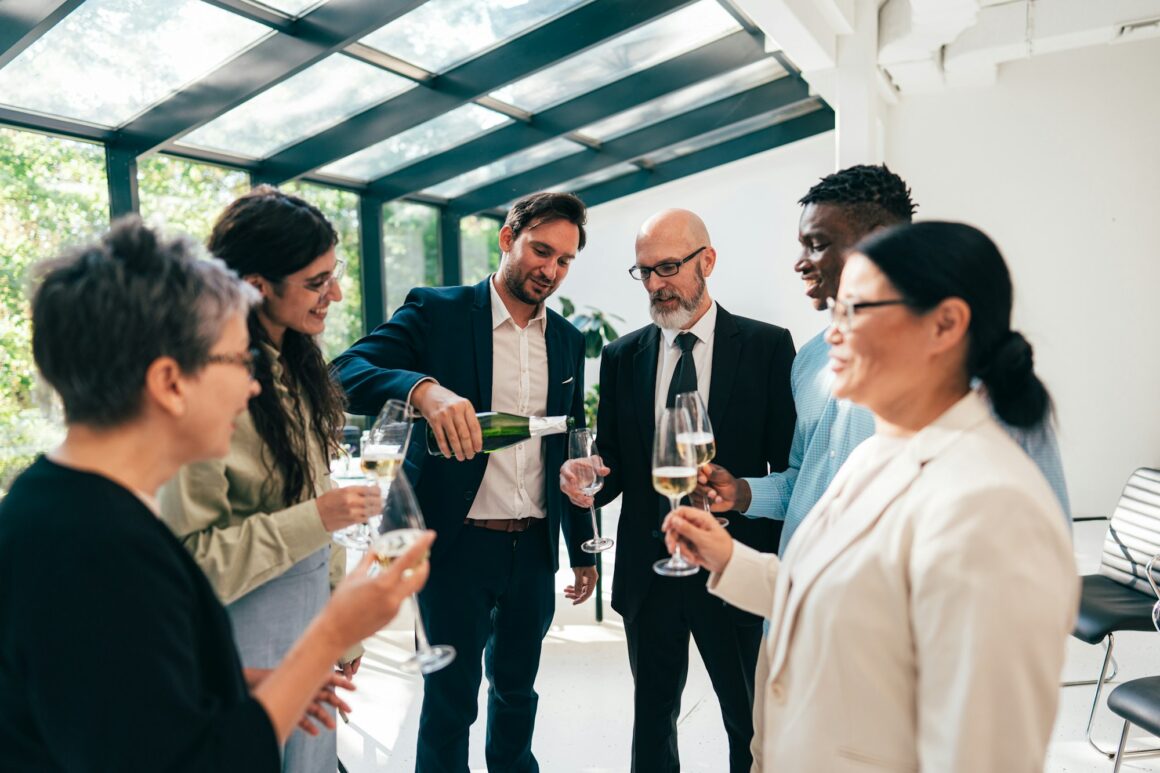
925	626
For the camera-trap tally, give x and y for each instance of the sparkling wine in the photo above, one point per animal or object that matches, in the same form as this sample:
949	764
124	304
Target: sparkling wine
503	430
381	461
390	545
674	481
701	445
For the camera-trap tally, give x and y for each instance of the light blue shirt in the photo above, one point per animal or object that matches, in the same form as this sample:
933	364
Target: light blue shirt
827	430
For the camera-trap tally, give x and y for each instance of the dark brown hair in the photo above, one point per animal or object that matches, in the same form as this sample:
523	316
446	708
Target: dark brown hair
273	234
544	207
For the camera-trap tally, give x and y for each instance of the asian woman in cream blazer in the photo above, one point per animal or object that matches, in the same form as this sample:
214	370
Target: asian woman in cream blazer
919	617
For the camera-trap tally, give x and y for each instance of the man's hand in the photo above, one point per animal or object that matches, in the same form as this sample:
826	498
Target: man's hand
350	668
723	491
585	584
574	475
451	418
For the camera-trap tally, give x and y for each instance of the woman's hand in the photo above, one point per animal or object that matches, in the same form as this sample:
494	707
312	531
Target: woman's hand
348	505
362	604
703	541
316	711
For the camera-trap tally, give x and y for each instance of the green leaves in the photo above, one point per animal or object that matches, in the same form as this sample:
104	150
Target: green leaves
594	324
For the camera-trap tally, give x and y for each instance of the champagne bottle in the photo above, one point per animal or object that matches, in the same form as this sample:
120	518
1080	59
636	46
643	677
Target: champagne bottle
502	430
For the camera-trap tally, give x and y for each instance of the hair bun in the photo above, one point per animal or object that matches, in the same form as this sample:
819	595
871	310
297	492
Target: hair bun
1016	392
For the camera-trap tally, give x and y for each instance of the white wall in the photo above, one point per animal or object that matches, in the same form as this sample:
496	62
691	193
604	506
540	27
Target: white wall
750	209
1060	164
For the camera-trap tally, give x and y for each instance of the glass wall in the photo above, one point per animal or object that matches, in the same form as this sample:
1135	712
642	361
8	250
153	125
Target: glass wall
478	247
185	196
410	250
55	194
344	323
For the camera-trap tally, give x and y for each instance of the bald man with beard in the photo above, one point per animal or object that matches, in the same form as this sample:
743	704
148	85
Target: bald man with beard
741	369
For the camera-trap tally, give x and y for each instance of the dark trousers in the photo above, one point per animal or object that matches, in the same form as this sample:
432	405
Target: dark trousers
492	597
658	653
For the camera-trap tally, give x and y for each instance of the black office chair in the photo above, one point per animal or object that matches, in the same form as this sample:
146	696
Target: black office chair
1121	596
1138	702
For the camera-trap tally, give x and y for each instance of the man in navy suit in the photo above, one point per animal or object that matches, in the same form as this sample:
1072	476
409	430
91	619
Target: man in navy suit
741	368
453	351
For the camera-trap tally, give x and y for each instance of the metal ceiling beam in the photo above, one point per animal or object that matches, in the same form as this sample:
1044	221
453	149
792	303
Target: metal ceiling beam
305	42
52	125
729	53
23	22
747	104
580	29
750	144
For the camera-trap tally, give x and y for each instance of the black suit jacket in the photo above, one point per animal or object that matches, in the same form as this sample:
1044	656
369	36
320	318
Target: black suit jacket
445	333
752	410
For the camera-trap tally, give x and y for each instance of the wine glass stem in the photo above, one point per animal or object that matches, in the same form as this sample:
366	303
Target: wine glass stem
677	558
707	508
420	632
595	528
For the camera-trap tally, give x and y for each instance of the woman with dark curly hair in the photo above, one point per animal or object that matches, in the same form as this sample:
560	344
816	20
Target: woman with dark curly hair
259	521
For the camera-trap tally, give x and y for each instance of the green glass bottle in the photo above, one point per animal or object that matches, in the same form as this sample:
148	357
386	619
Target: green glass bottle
503	430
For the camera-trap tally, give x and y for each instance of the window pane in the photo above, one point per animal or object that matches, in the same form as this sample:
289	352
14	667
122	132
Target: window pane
726	133
443	33
426	139
537	155
111	59
684	100
478	248
315	99
55	194
578	184
185	196
643	47
410	250
344	322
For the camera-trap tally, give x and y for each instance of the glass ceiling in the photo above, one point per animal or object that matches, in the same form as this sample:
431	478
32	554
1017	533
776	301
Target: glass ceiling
631	52
443	33
83	69
170	75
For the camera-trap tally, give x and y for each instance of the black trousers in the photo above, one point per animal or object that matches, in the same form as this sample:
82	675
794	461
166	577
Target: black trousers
492	597
658	652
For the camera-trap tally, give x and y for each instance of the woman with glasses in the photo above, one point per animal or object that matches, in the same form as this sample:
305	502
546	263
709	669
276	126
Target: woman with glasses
259	521
918	618
115	654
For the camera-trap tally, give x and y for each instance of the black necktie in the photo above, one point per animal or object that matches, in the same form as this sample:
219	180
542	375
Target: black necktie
685	376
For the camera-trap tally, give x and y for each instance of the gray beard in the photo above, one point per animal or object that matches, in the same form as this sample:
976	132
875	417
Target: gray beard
680	317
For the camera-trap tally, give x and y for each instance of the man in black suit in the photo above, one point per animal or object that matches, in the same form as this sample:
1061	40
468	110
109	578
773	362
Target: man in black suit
741	368
453	351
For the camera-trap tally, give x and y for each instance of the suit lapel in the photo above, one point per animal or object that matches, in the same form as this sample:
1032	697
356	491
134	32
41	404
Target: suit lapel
481	332
644	381
554	343
726	362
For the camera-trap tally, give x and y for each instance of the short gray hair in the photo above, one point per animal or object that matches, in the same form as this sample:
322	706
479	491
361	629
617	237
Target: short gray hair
104	312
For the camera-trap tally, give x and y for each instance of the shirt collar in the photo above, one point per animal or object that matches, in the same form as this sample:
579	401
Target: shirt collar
500	313
703	330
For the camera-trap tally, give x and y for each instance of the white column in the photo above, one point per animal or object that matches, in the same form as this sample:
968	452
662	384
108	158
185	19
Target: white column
856	99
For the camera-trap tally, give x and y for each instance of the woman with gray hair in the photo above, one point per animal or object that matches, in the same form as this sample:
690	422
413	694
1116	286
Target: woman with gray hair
115	653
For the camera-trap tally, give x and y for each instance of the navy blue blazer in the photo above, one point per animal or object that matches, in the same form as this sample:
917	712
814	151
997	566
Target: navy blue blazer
445	333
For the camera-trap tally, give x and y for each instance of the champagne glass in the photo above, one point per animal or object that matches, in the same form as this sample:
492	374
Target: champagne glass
383	449
401	526
582	446
674	474
701	435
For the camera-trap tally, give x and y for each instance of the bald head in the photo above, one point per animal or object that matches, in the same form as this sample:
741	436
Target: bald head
674	226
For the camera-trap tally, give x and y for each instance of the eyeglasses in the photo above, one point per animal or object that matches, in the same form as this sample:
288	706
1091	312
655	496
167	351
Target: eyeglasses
669	268
247	359
322	286
842	312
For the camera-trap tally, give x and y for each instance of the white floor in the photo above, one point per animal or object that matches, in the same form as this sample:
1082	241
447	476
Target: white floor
585	716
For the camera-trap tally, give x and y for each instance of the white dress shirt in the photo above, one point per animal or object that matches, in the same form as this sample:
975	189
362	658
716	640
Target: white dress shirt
513	484
670	353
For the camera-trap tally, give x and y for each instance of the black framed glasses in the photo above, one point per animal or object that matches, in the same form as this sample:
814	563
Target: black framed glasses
668	268
322	286
842	312
247	359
